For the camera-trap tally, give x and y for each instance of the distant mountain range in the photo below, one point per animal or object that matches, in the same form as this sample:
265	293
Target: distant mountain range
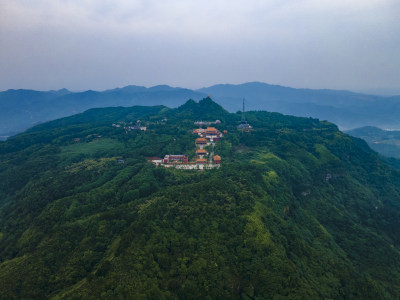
21	109
344	108
385	142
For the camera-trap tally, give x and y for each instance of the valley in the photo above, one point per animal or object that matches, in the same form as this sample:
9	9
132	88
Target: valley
385	142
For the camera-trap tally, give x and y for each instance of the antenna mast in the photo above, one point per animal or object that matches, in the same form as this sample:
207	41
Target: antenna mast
244	126
243	115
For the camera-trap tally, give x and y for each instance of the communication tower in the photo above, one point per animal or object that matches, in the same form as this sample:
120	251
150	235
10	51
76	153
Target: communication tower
244	125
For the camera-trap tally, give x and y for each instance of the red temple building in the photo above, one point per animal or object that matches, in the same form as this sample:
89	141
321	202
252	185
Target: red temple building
201	141
201	161
181	158
201	152
217	159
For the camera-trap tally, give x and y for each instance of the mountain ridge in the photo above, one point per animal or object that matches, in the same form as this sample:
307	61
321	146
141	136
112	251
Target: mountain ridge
21	109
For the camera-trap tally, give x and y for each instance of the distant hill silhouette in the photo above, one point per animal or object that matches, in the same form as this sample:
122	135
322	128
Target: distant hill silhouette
21	109
347	109
384	142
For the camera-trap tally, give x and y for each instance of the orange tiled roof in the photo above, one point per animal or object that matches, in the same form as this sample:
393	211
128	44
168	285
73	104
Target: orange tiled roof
201	140
201	160
211	130
201	151
217	157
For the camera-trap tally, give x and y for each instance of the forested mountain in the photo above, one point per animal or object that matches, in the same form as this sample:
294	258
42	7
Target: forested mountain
21	109
297	210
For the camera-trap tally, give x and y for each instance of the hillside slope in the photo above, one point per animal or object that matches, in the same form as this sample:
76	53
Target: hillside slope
297	210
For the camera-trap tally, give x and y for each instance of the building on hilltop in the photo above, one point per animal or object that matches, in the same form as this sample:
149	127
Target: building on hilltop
206	123
245	127
212	134
180	159
201	152
199	131
212	131
201	141
201	123
155	160
137	126
201	161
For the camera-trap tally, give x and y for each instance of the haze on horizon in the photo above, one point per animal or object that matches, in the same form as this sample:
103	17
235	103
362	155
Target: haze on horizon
102	44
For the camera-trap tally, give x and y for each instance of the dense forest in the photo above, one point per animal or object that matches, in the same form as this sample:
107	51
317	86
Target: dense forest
297	210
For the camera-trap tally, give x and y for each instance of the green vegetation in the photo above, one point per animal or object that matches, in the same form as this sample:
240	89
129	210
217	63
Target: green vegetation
298	210
99	145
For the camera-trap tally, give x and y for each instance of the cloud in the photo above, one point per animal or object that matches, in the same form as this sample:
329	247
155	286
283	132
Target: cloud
318	43
189	16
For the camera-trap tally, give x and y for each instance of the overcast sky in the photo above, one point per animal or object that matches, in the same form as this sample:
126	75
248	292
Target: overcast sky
101	44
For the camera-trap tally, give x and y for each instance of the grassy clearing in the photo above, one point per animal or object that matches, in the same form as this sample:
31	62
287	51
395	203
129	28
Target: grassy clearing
102	145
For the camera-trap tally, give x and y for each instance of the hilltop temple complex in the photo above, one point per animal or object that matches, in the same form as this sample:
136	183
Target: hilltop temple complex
207	137
210	133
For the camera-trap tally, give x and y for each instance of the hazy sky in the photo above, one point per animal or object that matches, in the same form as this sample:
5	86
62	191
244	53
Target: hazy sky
101	44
